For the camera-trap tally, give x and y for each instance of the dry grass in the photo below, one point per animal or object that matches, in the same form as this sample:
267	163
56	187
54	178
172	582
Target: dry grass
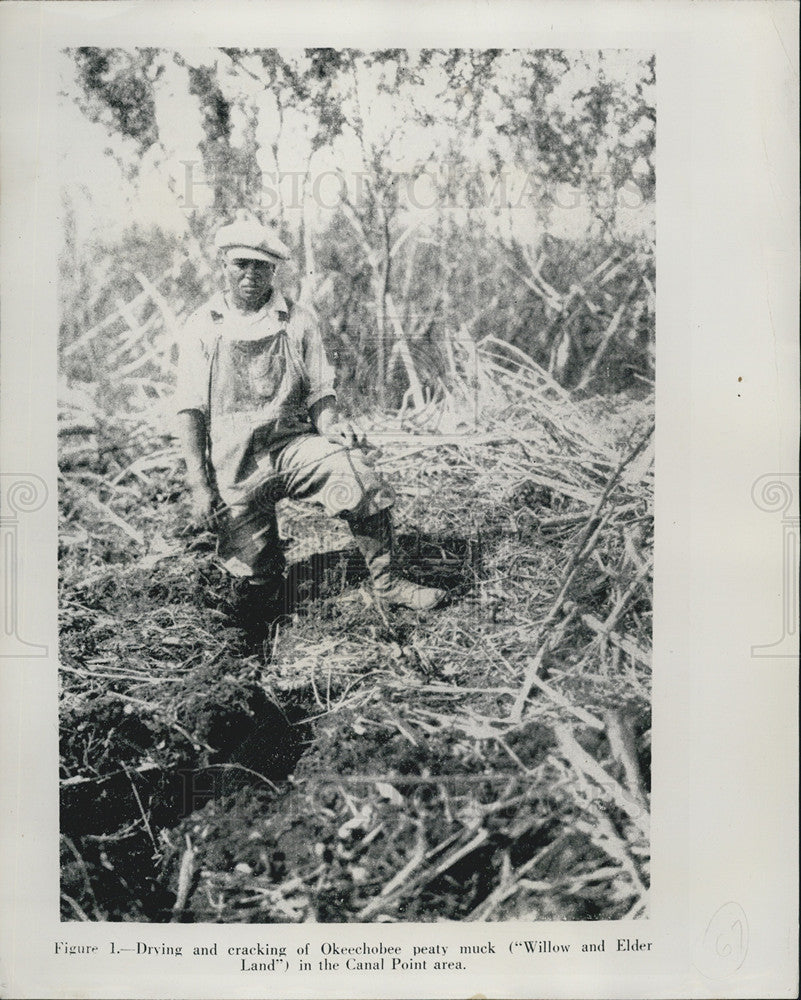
487	761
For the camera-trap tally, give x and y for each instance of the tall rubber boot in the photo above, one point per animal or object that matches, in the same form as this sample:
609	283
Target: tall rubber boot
373	536
256	605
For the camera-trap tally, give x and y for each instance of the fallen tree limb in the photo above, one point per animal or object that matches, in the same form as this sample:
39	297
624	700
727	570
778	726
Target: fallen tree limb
581	551
621	641
111	517
622	745
578	758
185	875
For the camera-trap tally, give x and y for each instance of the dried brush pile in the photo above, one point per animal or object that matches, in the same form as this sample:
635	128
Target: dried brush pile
487	761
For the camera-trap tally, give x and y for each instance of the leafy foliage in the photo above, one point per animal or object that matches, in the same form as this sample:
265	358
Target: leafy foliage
118	84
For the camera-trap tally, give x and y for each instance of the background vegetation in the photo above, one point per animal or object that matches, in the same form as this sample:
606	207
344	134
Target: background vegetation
474	230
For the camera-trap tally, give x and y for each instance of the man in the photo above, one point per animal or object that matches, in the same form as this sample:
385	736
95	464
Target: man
258	421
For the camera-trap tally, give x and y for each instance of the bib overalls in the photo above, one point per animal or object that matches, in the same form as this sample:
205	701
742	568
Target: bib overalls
262	374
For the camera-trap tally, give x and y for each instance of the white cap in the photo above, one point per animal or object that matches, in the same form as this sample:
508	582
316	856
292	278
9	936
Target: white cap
248	238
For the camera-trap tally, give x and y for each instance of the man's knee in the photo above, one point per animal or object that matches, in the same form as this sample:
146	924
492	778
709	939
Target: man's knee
354	489
248	543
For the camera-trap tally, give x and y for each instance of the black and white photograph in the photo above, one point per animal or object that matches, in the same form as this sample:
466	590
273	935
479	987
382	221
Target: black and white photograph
356	447
399	533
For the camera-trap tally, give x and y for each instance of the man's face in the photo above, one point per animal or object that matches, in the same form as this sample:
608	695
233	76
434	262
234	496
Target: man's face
249	281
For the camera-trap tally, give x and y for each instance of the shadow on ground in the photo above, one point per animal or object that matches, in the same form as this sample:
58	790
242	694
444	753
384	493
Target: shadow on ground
451	562
110	826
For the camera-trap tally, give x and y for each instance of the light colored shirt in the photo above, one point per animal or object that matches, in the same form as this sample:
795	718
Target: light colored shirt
216	321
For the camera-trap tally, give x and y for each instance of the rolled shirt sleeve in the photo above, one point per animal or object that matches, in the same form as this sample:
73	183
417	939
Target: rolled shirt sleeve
192	385
319	370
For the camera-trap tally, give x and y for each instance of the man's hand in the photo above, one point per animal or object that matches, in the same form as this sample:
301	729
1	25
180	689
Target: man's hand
202	504
346	433
324	417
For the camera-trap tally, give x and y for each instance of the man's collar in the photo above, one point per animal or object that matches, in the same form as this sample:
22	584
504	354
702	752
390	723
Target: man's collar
277	304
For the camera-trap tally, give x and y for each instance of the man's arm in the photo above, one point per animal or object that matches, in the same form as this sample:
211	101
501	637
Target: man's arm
192	434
